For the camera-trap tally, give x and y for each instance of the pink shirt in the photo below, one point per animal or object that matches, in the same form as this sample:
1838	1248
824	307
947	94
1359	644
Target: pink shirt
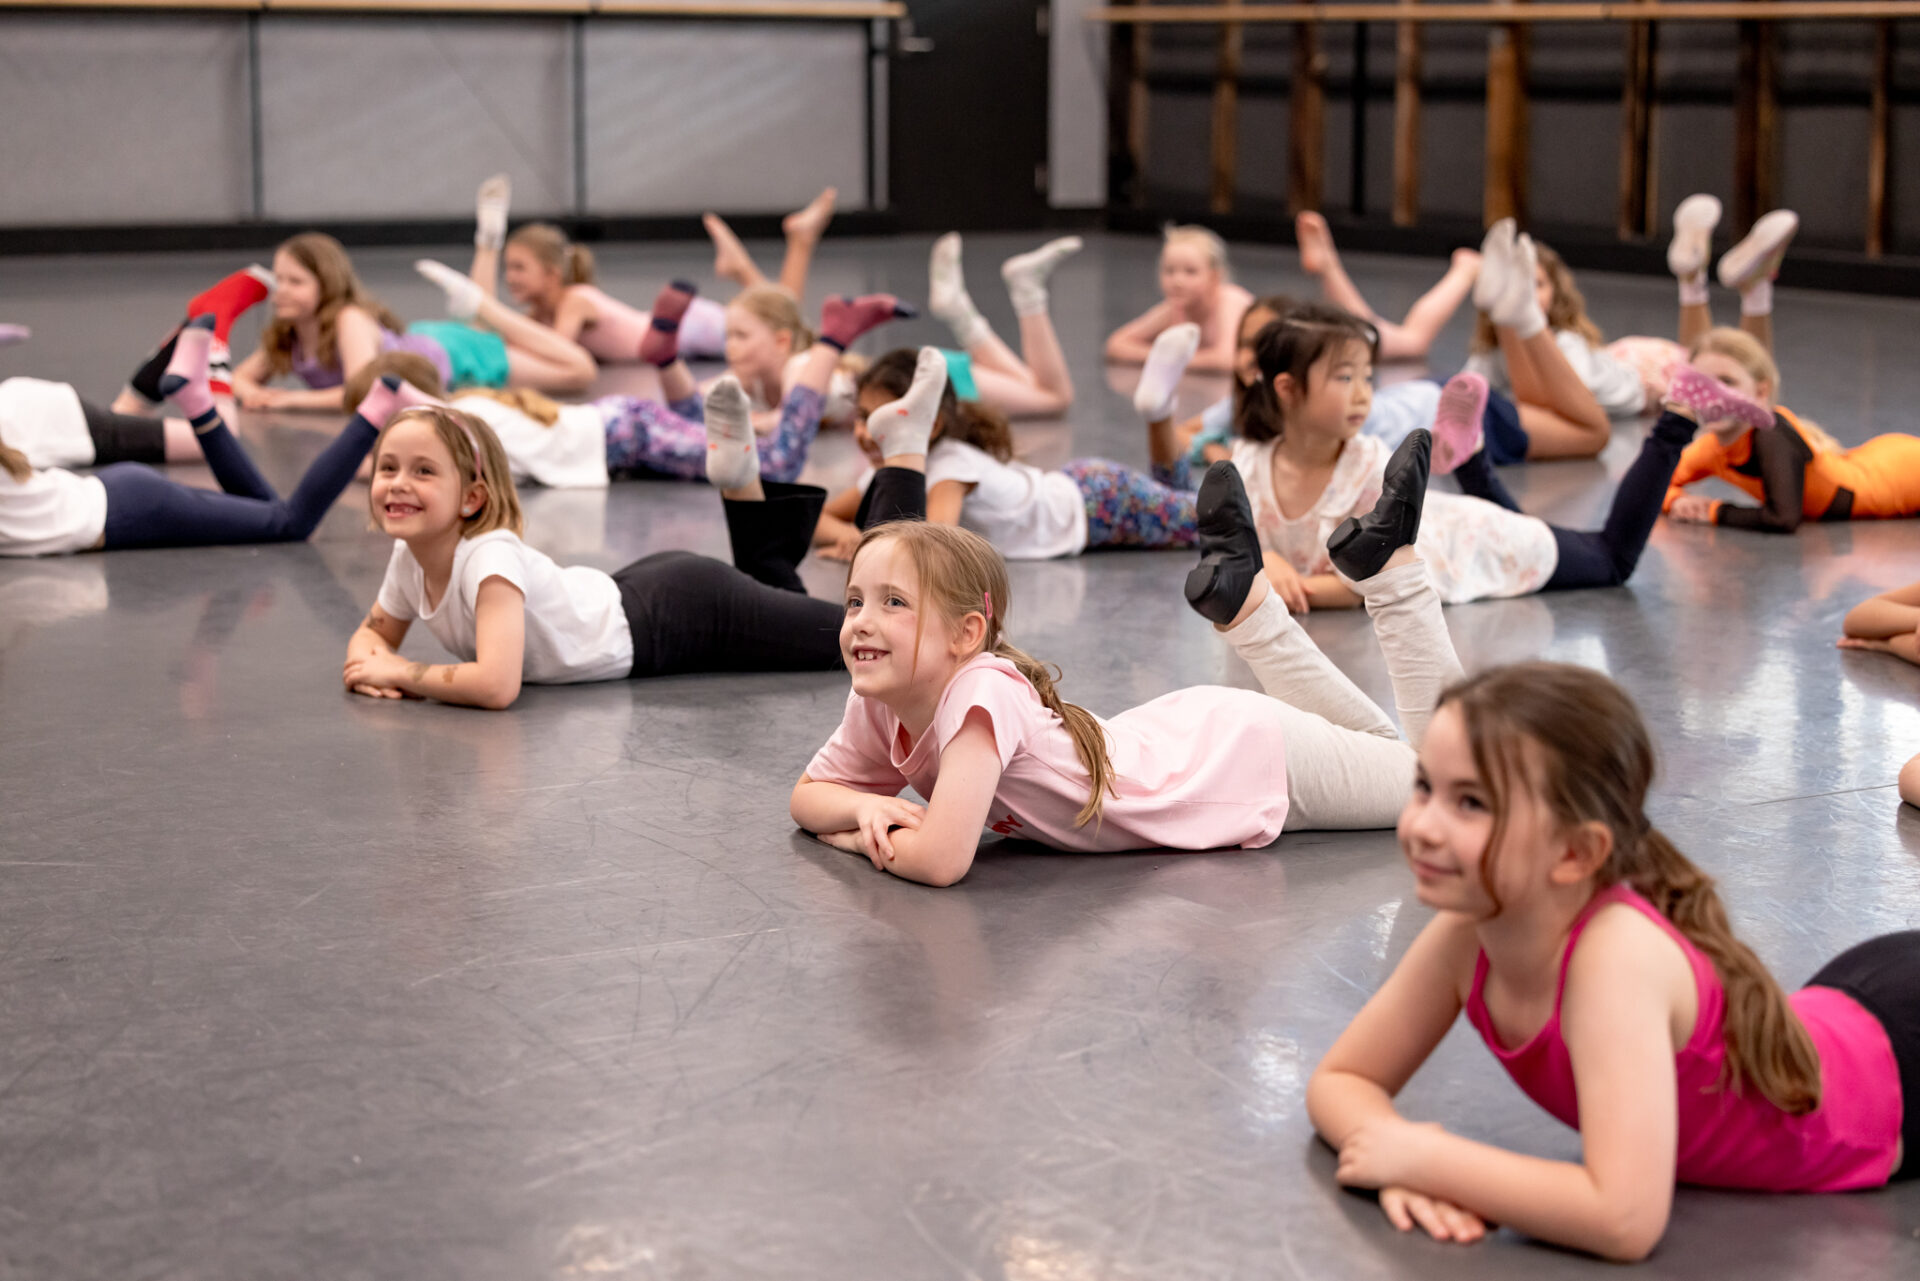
1198	769
1729	1140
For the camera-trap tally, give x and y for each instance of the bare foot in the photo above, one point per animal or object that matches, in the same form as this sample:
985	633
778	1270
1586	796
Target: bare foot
731	261
1316	243
810	223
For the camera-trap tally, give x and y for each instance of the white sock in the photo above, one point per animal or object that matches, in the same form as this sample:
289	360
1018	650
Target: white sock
1517	307
1160	376
490	212
1026	274
1693	290
947	296
463	295
1757	298
733	456
905	426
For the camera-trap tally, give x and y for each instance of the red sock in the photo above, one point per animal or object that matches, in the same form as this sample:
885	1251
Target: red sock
661	345
229	300
842	320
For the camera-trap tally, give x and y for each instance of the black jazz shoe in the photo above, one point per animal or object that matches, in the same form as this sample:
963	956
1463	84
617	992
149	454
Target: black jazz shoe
1229	548
1361	546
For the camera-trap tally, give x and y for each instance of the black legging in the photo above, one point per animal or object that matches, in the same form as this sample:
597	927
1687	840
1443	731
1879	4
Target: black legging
692	613
1604	557
123	438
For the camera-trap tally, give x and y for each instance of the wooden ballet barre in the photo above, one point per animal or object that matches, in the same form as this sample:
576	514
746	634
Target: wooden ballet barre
1545	11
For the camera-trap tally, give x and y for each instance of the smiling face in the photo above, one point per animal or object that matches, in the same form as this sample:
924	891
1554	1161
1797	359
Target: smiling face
896	649
528	279
1338	395
417	490
1448	823
296	291
1187	276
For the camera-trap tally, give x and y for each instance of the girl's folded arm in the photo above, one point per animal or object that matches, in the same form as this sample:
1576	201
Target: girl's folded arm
1394	1032
491	680
941	849
822	807
1616	1019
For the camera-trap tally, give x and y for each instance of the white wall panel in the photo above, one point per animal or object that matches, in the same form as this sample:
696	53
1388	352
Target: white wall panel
378	118
683	117
132	120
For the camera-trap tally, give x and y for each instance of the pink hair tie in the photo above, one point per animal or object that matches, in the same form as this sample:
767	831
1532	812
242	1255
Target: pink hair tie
988	598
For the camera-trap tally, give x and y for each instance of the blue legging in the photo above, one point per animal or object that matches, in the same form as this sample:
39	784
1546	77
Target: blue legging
1128	509
145	509
1603	557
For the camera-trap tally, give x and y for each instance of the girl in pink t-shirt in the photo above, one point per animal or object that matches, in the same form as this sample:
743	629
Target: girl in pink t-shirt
1597	963
943	703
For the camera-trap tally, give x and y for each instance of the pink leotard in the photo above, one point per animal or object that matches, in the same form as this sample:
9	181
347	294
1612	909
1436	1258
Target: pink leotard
1738	1140
615	334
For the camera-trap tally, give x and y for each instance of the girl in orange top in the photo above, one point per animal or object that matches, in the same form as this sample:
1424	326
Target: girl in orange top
1793	469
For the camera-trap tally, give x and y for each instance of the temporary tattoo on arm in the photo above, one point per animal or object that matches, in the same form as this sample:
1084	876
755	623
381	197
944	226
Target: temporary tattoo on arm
446	675
416	672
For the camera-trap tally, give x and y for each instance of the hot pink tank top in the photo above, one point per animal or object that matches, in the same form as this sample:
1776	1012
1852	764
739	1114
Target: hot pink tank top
1738	1140
615	334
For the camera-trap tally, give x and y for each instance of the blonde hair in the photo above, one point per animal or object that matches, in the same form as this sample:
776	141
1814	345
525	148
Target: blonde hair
1592	762
960	574
1748	352
407	366
775	308
541	409
478	457
1208	242
323	257
1568	311
15	463
550	245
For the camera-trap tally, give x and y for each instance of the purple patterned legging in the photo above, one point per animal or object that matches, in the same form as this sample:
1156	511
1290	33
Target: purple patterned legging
672	438
1126	508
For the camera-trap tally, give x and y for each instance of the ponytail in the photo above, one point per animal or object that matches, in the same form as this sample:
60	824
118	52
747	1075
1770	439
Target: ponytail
1767	1045
1592	762
1089	739
579	265
15	463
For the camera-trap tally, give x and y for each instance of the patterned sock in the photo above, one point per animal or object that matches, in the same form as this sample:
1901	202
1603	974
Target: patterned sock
733	456
905	426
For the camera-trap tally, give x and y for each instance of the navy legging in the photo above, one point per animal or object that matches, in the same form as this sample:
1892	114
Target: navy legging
145	509
1603	557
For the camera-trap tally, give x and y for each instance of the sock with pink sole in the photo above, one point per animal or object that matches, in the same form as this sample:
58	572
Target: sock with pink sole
185	382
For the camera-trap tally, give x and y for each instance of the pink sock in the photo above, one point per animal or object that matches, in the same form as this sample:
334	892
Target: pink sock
842	320
185	382
387	397
661	344
1710	402
1456	424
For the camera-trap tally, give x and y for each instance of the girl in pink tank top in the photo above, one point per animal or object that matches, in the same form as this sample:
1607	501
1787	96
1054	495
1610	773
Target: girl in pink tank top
1597	964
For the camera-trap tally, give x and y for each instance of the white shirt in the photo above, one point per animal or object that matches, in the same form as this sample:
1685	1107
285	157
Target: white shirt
571	454
576	627
44	421
1613	382
1474	550
50	512
1026	513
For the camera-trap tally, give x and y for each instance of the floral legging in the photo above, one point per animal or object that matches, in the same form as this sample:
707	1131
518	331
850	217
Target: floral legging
1126	508
671	439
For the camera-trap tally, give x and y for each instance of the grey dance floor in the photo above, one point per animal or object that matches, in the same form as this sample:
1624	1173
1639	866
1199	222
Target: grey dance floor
294	984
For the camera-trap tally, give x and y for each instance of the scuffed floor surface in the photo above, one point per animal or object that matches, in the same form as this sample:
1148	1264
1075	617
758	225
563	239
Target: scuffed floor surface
299	985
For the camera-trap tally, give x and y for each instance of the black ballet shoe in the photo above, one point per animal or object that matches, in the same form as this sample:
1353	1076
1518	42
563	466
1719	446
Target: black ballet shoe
1362	545
1230	557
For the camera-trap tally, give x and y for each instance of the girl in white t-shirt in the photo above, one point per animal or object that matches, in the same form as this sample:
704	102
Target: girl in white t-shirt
1308	467
944	703
443	488
974	480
